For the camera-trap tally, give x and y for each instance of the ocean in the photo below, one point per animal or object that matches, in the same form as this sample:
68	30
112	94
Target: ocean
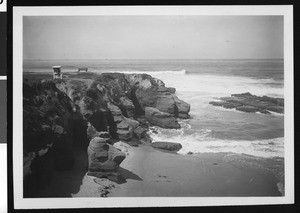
211	129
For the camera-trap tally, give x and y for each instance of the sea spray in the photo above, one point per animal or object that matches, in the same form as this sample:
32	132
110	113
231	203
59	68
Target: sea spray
202	141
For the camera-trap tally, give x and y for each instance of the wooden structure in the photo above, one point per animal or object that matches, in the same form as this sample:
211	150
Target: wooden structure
82	69
57	72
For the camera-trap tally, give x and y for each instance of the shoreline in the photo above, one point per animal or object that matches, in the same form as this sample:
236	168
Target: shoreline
150	172
203	175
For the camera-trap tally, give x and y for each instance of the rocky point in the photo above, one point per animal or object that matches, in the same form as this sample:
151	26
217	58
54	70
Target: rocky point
90	113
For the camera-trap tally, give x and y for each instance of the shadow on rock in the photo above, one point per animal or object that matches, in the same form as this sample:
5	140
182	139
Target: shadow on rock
126	174
65	183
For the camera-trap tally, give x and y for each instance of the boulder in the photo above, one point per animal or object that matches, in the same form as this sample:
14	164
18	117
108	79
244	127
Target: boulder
165	103
183	108
103	159
170	146
92	133
124	134
162	119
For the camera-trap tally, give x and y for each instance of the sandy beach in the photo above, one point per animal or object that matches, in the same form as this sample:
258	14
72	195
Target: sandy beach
155	173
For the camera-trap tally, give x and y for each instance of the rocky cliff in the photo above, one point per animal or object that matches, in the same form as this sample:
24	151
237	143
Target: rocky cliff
52	130
90	114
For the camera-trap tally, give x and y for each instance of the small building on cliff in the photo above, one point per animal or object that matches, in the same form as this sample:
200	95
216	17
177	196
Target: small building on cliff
57	72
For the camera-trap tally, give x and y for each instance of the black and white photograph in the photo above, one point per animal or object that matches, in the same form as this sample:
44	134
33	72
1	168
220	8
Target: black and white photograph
152	106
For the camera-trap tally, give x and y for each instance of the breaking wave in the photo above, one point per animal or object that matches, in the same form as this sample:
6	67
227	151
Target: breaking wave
218	86
152	73
201	141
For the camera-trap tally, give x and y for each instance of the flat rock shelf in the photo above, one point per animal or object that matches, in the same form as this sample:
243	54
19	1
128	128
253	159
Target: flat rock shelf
246	102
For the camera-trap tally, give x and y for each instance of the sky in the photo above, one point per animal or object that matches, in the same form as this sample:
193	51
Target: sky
152	37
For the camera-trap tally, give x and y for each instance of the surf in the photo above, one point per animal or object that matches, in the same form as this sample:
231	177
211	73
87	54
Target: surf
202	141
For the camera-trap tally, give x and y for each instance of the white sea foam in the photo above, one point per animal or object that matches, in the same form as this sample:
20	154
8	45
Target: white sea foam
152	73
198	90
221	85
201	142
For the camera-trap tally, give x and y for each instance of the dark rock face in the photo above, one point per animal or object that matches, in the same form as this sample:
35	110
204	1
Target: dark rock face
247	102
49	121
161	119
167	146
104	159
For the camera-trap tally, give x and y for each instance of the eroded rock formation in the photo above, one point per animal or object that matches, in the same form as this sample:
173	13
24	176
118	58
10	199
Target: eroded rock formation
90	113
104	159
161	119
152	93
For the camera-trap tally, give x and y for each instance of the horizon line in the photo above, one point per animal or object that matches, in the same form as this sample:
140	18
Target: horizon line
156	59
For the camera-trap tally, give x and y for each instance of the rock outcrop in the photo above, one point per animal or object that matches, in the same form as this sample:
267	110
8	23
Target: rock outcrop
151	93
52	130
247	102
112	97
161	119
170	146
104	159
89	112
171	90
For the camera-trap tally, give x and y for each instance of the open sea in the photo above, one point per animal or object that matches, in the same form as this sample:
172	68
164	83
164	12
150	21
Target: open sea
197	82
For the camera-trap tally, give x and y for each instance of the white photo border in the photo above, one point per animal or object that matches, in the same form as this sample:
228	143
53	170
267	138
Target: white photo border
40	203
